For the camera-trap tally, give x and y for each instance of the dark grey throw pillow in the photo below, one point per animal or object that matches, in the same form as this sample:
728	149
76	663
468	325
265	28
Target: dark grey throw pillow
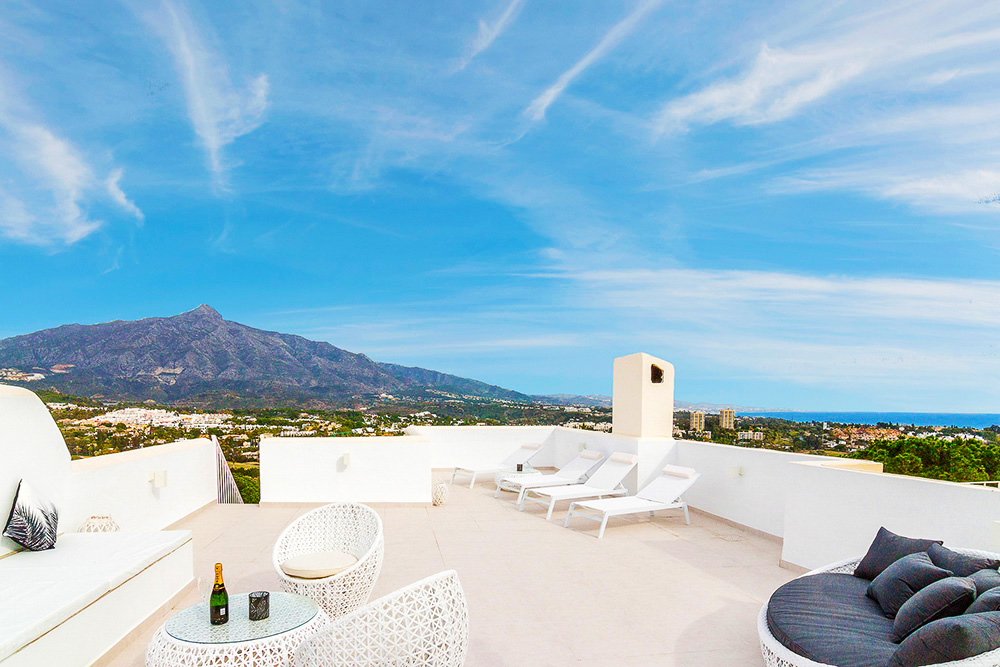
946	597
886	550
985	580
902	579
959	563
988	601
949	639
33	521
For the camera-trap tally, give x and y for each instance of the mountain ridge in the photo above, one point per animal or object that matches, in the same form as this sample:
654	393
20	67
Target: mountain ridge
197	356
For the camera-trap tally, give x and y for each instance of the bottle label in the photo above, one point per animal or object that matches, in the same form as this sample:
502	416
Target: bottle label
222	612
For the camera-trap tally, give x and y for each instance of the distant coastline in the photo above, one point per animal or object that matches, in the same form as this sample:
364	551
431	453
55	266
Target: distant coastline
957	419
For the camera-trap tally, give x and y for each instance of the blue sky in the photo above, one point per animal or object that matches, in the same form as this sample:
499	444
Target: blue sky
797	204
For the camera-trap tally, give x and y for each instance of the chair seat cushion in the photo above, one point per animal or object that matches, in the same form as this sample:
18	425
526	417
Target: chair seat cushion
828	618
318	564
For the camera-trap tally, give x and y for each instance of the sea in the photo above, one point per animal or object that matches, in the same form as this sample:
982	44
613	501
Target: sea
958	419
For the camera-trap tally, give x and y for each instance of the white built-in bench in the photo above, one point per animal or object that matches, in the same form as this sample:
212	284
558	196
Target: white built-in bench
72	604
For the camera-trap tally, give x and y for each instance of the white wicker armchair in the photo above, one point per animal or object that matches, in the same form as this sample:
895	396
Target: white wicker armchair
777	654
349	527
425	624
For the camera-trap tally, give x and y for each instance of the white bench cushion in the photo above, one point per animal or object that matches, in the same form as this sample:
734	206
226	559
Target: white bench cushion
318	564
41	589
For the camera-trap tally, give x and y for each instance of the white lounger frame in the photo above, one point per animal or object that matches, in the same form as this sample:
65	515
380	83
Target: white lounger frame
574	472
606	481
663	493
523	454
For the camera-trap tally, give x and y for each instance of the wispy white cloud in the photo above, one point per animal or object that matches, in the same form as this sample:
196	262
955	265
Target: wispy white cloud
938	190
112	183
778	84
536	110
891	340
489	31
218	110
55	186
887	44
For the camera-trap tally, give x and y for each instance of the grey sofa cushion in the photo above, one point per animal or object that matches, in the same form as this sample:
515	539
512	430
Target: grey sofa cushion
902	579
828	618
949	639
988	601
946	597
959	563
886	550
985	580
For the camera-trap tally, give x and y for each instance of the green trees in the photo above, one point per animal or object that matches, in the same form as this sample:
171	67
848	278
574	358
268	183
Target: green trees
248	482
956	461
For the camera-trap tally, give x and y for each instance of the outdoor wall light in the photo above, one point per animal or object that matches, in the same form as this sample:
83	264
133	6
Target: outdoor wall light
158	478
735	472
345	460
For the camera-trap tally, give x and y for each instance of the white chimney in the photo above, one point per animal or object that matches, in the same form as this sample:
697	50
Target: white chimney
642	401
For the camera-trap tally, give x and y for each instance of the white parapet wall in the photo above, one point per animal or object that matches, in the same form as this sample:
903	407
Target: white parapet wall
833	513
451	446
324	470
741	484
120	485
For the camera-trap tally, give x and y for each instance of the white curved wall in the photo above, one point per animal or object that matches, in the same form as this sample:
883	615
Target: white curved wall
32	448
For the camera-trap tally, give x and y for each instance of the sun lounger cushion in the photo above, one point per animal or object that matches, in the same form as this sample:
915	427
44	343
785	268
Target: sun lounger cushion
624	458
591	454
532	445
318	564
678	471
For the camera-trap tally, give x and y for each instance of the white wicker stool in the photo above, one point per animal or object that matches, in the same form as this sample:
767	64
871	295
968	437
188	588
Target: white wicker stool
439	494
99	523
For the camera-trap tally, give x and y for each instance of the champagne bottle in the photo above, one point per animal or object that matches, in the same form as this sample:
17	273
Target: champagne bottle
219	602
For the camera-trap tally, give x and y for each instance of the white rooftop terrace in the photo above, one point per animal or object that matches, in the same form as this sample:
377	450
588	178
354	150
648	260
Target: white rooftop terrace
653	590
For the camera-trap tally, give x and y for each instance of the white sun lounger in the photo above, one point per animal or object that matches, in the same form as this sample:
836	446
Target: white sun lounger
571	473
606	481
523	454
663	493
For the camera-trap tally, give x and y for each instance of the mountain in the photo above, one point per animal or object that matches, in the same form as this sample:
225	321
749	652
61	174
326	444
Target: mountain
198	357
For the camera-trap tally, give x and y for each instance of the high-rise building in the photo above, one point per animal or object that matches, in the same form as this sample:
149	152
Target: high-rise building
727	418
697	421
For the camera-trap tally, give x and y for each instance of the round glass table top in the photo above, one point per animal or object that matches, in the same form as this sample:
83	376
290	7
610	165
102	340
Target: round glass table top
287	612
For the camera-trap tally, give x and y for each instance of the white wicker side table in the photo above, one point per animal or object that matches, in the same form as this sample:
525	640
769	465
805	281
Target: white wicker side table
188	639
510	474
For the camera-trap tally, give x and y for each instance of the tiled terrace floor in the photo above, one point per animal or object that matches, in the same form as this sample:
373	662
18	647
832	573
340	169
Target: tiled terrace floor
652	592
